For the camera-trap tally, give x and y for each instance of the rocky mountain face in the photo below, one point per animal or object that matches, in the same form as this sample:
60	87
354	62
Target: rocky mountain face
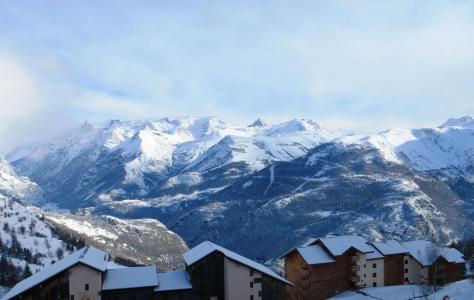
264	188
142	241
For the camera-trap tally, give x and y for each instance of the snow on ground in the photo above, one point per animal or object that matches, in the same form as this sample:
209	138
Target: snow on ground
3	291
461	290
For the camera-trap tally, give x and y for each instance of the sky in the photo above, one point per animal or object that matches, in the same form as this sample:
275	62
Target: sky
361	65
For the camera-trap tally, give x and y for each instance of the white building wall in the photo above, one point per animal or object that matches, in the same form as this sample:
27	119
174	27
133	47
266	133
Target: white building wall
367	269
237	279
417	274
81	275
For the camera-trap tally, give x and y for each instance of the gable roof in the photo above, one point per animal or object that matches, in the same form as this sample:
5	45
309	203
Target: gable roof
205	248
339	244
173	280
390	247
314	255
88	256
426	253
130	278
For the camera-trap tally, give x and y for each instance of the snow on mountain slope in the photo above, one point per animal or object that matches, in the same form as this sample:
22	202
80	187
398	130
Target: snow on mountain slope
12	185
136	158
26	241
449	148
142	241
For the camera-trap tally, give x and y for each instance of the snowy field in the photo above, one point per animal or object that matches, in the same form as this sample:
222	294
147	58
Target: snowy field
461	290
3	291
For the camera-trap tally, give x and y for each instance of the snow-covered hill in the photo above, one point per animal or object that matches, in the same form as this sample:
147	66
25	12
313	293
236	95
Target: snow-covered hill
143	241
126	159
27	243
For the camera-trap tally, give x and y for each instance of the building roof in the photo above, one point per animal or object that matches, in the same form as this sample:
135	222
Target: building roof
426	253
314	255
375	254
205	248
173	280
390	247
340	244
88	256
452	255
130	278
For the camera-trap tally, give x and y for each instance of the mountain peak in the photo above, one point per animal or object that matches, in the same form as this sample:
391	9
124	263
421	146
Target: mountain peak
258	123
465	121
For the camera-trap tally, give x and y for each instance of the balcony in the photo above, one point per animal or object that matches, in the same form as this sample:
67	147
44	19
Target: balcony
355	258
355	278
355	268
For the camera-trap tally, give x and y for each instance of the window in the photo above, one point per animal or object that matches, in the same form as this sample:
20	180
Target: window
260	294
72	297
406	271
374	266
406	279
251	297
374	275
374	284
406	261
251	285
251	272
365	266
365	275
86	287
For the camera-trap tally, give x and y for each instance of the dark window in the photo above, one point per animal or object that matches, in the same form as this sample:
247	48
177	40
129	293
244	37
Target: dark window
365	275
251	272
374	275
260	294
406	270
374	284
364	265
406	261
251	297
257	280
251	285
374	265
72	297
406	279
86	287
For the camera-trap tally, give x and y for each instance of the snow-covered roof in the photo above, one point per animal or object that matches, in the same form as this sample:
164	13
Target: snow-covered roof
375	254
205	248
173	280
340	244
130	278
314	255
452	255
390	247
426	253
89	256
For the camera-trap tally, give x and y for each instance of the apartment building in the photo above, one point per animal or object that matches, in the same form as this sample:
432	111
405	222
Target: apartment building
324	267
212	273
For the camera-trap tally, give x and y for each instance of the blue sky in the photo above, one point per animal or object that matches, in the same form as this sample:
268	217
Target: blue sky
359	65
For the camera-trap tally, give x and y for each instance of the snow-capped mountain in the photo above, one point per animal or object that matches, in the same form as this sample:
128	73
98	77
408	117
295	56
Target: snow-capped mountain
263	188
143	159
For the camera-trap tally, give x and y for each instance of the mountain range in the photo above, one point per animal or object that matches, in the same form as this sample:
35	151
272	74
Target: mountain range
259	189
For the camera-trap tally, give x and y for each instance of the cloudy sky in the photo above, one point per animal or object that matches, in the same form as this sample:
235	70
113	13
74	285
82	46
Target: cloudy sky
361	65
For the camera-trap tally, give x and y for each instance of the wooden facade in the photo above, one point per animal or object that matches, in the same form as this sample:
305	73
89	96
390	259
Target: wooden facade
442	272
129	294
320	281
394	269
207	277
